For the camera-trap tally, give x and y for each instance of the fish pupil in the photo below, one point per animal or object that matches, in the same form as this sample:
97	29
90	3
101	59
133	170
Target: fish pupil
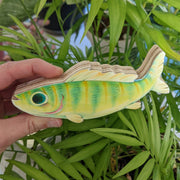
39	98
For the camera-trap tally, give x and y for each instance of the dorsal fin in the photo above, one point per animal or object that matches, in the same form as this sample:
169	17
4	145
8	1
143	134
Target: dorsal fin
94	71
148	61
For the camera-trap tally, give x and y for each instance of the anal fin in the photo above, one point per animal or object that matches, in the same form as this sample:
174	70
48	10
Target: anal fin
135	105
161	87
75	118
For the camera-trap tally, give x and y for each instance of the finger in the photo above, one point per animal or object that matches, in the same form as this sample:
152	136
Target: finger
16	127
12	71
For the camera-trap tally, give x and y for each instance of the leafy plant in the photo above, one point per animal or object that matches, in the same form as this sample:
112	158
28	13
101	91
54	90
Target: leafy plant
16	9
141	144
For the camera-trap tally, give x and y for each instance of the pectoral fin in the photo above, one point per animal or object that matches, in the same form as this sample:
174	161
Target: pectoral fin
75	118
135	105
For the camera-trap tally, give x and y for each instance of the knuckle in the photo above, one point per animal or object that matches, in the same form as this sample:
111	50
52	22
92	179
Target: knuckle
31	126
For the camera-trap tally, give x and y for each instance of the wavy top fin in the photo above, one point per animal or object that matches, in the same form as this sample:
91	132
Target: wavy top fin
94	71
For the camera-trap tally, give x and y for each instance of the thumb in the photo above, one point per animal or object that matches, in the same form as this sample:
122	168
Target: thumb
19	126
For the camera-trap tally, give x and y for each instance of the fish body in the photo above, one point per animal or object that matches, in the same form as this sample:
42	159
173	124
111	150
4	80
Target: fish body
77	99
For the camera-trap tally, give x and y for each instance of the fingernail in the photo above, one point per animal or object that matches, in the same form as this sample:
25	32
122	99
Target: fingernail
58	69
54	123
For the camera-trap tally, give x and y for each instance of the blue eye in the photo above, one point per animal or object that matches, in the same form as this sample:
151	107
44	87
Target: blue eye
39	98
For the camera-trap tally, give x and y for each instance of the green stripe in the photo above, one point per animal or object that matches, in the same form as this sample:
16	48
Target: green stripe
61	91
95	91
75	89
28	98
131	90
115	91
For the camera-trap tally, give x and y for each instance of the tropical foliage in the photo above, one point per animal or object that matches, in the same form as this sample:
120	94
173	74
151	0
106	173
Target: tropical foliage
141	144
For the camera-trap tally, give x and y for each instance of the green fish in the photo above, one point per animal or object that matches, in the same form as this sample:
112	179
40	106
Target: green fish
90	90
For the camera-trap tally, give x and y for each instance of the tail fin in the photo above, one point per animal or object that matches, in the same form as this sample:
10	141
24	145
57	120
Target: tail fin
161	87
152	67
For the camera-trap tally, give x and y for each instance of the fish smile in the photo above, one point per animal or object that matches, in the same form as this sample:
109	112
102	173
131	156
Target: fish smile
59	109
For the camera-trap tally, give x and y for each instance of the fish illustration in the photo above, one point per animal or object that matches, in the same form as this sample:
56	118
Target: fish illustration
89	90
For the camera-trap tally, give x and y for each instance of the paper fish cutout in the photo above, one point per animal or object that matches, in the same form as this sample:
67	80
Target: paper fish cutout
90	90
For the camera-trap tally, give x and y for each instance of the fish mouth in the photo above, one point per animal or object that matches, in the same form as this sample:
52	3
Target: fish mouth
59	108
14	98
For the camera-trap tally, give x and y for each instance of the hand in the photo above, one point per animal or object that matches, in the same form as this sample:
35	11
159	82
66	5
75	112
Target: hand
12	74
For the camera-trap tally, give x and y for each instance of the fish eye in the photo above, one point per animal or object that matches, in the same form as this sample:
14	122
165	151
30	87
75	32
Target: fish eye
39	98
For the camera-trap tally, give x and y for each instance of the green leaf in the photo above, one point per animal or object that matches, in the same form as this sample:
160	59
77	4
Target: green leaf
89	150
174	108
45	164
172	70
136	162
60	160
69	2
150	125
166	140
142	12
90	164
19	51
157	134
49	12
84	126
126	121
31	171
112	130
147	170
9	177
9	39
8	170
158	37
158	101
65	46
178	171
174	3
117	14
95	6
169	19
121	139
156	172
16	9
82	169
15	33
40	6
90	53
136	20
78	140
171	160
46	133
133	16
76	53
102	163
140	125
28	160
30	37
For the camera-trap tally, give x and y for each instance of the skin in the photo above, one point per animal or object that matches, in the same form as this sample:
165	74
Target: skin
12	74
